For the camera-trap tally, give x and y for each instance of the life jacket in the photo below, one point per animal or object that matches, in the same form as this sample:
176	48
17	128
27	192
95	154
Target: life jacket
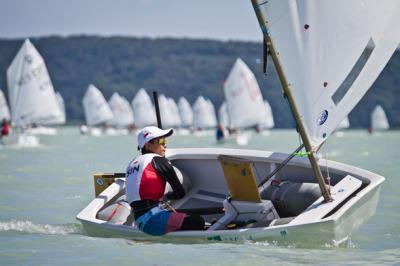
142	180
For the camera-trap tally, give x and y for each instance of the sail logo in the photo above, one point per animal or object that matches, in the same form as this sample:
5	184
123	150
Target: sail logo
322	118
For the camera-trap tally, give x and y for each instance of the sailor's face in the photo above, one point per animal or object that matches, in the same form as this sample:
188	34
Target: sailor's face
157	146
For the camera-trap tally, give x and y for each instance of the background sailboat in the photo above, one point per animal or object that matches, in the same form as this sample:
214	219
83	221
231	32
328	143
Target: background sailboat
4	111
122	115
244	101
96	109
204	118
379	119
31	93
186	115
143	109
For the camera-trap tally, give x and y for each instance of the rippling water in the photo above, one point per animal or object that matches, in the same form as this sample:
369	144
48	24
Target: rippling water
42	189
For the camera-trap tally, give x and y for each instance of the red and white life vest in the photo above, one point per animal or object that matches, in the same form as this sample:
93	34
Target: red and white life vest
142	180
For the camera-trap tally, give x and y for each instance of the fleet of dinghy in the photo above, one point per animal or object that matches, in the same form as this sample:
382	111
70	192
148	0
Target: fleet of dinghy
266	203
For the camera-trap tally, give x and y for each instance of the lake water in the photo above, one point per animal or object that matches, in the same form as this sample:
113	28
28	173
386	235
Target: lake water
42	189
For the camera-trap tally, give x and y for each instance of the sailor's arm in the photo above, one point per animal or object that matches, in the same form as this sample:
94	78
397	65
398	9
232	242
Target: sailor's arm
164	168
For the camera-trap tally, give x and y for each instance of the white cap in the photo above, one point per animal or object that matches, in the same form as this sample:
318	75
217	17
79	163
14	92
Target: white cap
148	133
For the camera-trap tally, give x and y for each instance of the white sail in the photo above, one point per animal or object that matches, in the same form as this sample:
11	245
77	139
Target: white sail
243	97
96	107
186	112
122	111
267	120
331	52
223	116
212	113
60	100
344	124
31	93
175	112
4	112
203	116
379	120
143	110
166	113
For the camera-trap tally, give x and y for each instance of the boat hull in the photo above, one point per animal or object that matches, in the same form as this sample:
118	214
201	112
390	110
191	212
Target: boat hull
333	229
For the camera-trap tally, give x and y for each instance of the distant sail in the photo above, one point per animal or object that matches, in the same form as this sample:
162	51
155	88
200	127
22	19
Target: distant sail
143	110
379	120
30	91
122	111
175	112
223	116
186	112
344	124
167	115
96	107
243	97
60	100
4	112
267	120
331	52
203	115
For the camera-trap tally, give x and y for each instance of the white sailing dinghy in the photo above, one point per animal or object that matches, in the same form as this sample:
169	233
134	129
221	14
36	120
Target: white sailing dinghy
186	116
314	45
204	118
31	96
143	109
244	101
96	109
379	119
122	115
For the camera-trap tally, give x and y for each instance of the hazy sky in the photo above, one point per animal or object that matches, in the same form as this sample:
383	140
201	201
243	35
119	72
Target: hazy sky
216	19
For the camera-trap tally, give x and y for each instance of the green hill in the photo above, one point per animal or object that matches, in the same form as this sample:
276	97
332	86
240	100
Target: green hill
175	67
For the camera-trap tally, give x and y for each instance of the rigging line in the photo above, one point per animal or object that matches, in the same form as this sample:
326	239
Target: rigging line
283	164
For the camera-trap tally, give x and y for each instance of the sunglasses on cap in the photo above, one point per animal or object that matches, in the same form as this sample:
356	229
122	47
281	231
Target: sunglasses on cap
161	141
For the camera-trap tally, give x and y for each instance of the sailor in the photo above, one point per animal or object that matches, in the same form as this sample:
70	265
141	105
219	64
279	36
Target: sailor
5	128
146	178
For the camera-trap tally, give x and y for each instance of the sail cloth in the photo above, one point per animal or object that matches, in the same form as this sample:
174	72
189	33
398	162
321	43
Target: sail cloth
4	112
344	124
61	105
185	112
95	106
143	109
203	114
31	93
243	97
267	120
223	115
122	111
331	52
379	120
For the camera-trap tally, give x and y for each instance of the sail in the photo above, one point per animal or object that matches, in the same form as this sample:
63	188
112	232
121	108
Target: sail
31	93
175	112
379	120
4	112
167	115
223	115
122	111
95	106
344	124
267	120
243	96
61	105
143	109
331	52
186	112
203	115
